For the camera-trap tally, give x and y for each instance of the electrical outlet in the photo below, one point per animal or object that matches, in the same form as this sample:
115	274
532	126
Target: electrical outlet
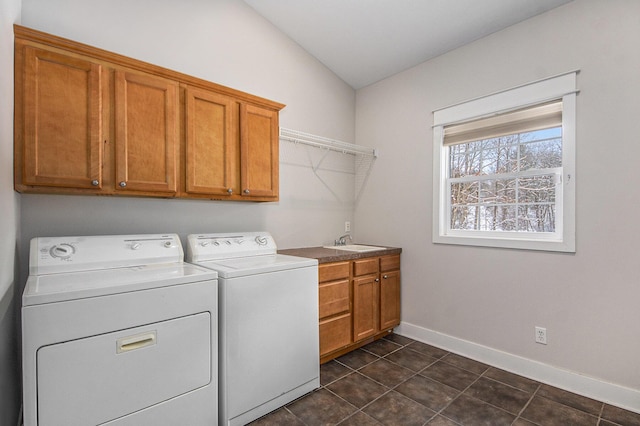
347	226
541	335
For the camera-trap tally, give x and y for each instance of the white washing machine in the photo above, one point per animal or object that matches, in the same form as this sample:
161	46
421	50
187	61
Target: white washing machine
117	330
268	315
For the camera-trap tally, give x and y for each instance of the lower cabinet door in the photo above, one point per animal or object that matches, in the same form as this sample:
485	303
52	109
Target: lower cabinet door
389	299
365	307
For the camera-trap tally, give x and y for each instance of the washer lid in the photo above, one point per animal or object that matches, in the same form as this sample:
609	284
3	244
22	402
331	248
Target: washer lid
42	289
252	265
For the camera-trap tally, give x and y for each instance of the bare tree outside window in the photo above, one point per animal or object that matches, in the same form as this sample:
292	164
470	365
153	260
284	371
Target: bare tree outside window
506	183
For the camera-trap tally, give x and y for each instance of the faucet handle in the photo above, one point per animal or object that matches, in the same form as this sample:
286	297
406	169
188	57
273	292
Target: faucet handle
342	240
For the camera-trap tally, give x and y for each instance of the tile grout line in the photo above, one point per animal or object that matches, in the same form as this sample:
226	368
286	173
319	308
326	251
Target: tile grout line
533	394
600	415
356	407
458	396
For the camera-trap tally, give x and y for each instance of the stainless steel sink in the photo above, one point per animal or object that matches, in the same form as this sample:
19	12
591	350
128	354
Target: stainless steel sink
356	247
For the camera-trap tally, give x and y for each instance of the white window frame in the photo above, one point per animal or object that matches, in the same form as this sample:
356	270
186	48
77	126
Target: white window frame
554	88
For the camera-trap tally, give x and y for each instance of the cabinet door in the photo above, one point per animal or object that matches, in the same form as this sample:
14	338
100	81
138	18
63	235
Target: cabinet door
365	306
389	299
259	151
62	120
146	133
212	146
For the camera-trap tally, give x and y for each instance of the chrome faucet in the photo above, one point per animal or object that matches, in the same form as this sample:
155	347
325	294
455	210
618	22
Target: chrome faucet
342	240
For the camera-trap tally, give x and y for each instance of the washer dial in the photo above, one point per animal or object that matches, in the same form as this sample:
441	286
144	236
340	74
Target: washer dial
62	251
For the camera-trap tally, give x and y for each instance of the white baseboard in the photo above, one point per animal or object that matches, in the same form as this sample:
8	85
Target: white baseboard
619	396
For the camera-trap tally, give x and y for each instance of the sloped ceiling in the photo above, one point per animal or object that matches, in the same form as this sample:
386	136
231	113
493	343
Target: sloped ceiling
364	41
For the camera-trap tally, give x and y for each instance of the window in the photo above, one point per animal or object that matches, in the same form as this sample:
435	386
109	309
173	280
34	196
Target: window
504	172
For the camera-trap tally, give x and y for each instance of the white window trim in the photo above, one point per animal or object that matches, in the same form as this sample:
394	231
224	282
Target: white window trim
559	87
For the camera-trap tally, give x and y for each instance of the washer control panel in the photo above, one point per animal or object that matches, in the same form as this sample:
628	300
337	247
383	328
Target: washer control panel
201	247
50	255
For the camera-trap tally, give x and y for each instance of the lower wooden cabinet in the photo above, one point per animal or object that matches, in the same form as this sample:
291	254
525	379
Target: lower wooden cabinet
389	291
334	295
366	292
359	302
335	333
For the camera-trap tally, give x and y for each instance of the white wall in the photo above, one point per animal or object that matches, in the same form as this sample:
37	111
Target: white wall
9	225
494	297
226	42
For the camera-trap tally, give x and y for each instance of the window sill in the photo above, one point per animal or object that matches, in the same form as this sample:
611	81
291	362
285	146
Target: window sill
505	242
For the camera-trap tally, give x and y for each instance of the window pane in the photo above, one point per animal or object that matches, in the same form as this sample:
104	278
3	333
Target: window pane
463	217
537	218
541	149
465	159
497	218
537	189
498	191
464	193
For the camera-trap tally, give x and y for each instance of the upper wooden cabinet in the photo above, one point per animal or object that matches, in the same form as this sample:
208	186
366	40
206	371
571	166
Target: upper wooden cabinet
259	159
212	147
59	120
231	147
88	121
146	123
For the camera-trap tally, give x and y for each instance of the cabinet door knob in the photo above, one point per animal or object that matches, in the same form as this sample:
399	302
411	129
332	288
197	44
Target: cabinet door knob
123	184
230	191
95	182
246	191
385	276
377	280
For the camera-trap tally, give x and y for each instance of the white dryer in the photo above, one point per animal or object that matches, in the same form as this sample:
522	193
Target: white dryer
117	330
268	316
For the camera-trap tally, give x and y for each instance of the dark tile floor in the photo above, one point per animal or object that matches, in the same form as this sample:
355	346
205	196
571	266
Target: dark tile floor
399	381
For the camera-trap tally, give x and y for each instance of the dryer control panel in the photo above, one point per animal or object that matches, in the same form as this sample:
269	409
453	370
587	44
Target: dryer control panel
51	255
202	247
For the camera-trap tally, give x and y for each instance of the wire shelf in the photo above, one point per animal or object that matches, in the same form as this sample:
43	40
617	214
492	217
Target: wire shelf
322	142
364	156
